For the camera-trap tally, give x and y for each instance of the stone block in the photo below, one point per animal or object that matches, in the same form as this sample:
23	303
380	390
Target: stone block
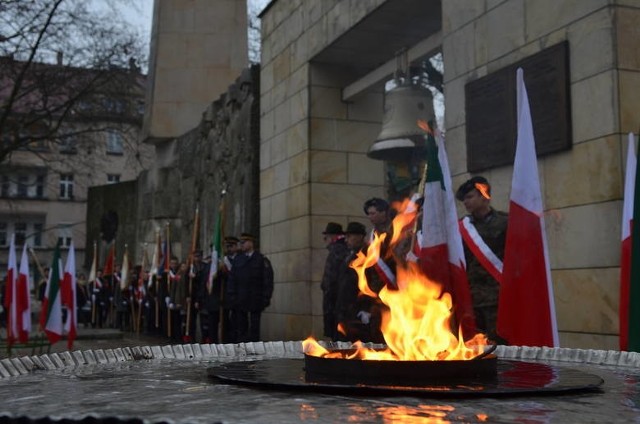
592	113
366	107
169	43
299	169
267	182
627	37
589	341
338	199
458	51
282	117
326	102
505	28
279	93
282	66
299	49
278	149
587	300
543	17
281	176
596	162
323	134
363	170
293	298
267	79
299	106
317	36
592	34
278	207
328	167
299	233
265	154
454	102
297	138
175	19
356	136
456	146
457	13
586	236
297	201
629	104
266	238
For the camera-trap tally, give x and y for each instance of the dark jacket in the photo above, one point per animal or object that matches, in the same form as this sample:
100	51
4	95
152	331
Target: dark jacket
209	300
251	283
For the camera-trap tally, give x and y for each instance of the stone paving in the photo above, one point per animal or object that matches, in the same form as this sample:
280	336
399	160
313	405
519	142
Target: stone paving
169	383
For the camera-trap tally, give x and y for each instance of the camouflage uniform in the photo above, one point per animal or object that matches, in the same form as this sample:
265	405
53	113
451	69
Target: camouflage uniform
484	288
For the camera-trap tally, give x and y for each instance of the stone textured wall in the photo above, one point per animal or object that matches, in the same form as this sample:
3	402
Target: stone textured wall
192	171
313	164
582	188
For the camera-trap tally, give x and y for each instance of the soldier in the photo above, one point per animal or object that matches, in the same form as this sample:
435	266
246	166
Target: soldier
484	233
178	289
232	250
250	289
334	241
353	312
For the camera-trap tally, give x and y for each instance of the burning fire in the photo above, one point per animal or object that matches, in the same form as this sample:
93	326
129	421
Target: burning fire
416	325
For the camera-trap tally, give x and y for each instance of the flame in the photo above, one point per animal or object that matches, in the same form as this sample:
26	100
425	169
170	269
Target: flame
483	189
424	126
416	324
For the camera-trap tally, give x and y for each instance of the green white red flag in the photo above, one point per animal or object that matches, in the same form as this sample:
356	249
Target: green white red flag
216	249
441	251
632	303
68	289
625	256
51	313
526	310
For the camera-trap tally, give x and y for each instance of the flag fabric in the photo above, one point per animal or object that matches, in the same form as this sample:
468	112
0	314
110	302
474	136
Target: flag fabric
625	257
141	292
10	298
94	264
51	313
68	288
441	251
633	329
23	298
216	249
526	309
124	271
155	260
109	263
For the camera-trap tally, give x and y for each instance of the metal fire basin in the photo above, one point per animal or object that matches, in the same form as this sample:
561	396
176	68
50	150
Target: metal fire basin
397	373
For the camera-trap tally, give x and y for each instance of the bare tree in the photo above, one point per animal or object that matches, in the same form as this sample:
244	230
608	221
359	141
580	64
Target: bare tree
66	70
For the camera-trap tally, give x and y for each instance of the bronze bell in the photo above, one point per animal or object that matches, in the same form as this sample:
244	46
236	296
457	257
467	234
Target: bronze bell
400	136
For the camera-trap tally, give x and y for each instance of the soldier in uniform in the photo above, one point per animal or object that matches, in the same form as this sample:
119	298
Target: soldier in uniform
334	241
250	288
491	226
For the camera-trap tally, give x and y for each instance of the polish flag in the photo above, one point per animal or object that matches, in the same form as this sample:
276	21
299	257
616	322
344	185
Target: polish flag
10	294
441	252
625	257
23	299
51	313
68	292
526	310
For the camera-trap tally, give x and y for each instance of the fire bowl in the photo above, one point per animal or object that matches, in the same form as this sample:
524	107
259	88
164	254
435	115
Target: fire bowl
512	378
396	373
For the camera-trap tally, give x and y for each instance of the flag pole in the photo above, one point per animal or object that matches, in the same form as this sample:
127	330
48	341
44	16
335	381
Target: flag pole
194	242
221	313
167	270
157	305
141	283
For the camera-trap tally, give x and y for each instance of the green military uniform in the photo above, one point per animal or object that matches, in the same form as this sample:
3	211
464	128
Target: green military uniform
484	288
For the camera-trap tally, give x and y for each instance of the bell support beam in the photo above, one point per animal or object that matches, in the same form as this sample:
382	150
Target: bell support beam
427	47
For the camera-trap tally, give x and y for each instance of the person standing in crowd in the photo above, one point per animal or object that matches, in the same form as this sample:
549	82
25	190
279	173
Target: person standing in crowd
197	272
353	312
231	252
178	288
250	289
484	232
209	297
97	290
334	241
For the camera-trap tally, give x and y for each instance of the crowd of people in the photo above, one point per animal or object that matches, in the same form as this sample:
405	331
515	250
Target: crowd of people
191	301
350	316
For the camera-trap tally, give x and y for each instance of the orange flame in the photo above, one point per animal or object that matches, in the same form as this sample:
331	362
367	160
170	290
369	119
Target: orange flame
416	325
424	126
483	189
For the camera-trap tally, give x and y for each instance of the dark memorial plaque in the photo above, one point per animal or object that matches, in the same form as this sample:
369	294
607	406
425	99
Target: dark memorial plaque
491	109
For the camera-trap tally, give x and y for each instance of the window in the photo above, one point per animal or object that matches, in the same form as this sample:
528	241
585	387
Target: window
68	144
39	187
115	143
64	234
3	234
113	178
23	182
20	230
27	230
6	186
66	186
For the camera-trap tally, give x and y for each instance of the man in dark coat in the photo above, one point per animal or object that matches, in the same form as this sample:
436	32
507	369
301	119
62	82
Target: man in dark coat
334	241
250	289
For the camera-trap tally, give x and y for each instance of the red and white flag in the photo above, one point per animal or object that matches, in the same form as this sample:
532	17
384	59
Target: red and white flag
526	310
23	299
625	257
68	289
441	254
10	294
51	313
